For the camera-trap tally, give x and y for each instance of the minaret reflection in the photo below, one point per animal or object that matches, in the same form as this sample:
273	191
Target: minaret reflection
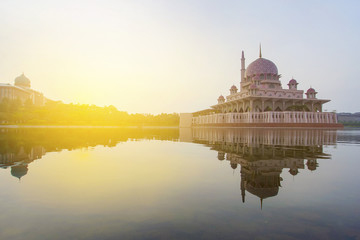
263	154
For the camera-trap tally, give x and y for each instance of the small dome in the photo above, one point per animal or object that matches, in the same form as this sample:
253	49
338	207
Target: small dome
19	171
233	87
221	97
292	81
233	165
261	66
293	171
310	90
22	81
311	167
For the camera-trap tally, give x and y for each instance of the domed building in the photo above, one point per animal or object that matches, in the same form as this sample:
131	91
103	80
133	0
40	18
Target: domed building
21	90
22	81
263	102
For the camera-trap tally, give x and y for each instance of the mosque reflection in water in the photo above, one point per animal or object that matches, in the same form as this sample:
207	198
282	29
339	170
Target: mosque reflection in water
262	154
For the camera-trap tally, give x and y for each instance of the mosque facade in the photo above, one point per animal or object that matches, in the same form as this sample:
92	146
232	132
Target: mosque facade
21	90
263	102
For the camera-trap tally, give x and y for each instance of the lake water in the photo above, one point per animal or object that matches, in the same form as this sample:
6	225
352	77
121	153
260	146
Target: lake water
114	183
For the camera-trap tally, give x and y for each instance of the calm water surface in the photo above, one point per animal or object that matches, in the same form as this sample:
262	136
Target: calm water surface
70	183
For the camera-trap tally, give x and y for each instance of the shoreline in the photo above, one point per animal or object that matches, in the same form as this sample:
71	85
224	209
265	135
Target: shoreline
80	126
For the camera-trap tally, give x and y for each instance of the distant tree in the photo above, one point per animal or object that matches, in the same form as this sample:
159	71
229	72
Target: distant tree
15	105
4	105
28	103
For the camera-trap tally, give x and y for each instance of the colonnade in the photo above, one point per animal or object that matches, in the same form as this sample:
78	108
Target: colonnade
266	117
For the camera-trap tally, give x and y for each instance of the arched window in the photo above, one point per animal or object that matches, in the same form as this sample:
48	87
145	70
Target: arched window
267	109
261	76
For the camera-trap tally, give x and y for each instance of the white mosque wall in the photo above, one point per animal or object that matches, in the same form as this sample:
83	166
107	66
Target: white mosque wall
266	117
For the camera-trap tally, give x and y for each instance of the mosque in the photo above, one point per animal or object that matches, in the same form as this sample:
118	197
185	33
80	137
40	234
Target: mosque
21	90
262	102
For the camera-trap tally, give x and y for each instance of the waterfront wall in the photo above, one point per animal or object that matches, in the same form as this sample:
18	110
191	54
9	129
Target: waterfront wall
185	120
268	119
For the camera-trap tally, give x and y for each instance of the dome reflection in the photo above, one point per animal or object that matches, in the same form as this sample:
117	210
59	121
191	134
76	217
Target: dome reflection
263	154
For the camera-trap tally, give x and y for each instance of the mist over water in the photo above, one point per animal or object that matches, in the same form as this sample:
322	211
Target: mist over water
166	183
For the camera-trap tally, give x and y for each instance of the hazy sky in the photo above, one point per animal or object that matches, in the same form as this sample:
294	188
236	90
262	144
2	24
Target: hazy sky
177	56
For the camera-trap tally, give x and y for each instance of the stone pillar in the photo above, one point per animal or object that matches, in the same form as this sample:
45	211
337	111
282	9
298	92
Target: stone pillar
293	117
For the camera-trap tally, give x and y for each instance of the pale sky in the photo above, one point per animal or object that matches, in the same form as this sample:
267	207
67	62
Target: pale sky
177	56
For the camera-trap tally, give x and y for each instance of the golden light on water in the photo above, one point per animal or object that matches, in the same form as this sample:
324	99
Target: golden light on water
101	180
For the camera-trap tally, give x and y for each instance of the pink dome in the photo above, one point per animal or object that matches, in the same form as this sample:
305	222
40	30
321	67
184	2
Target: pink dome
310	90
261	66
221	97
293	81
233	87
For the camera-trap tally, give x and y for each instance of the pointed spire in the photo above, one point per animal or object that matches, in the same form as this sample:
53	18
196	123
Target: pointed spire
260	55
242	66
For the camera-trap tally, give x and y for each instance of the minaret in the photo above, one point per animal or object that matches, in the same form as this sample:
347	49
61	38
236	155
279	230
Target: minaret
260	55
242	66
242	185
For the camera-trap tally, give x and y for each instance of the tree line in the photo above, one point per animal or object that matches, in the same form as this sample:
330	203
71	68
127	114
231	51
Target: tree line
59	113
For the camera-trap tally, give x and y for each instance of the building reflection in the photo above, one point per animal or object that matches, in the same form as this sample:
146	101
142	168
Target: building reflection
263	154
21	146
259	155
19	161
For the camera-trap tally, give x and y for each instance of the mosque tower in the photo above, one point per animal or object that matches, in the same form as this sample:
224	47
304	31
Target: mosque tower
242	66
